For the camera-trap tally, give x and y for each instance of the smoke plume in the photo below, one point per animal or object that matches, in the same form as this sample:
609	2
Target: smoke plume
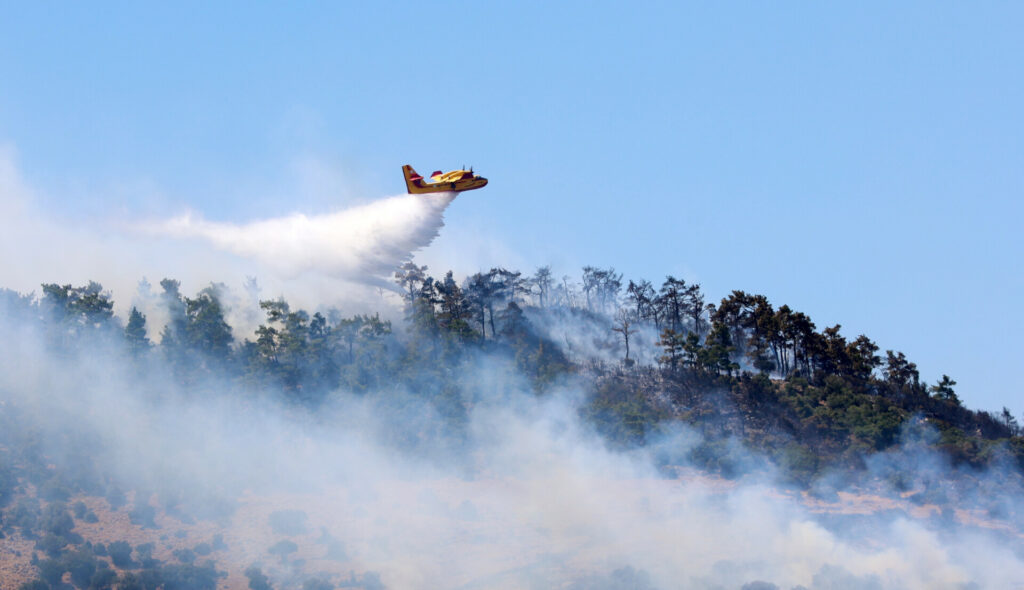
314	259
361	244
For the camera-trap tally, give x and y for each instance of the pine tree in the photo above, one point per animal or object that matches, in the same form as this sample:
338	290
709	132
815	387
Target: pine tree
135	332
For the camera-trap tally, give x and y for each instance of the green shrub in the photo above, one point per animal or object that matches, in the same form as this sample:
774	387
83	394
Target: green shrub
25	515
283	549
130	581
103	579
189	577
145	553
54	490
51	544
51	570
56	520
8	481
185	555
317	584
82	565
257	580
120	554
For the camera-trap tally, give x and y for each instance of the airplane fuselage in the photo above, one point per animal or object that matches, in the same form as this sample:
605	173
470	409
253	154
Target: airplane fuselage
454	181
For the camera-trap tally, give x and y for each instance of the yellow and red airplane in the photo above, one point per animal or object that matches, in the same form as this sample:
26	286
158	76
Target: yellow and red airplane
442	182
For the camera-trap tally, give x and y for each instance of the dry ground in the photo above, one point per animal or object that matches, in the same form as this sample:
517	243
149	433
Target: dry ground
454	530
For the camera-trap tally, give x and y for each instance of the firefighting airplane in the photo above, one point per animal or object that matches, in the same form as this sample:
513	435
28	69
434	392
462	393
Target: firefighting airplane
454	181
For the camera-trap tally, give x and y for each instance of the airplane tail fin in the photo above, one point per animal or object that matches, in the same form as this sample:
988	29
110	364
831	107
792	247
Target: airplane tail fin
411	178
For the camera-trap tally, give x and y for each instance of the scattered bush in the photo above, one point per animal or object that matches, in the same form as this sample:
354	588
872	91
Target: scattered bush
82	512
257	580
54	490
51	545
335	548
51	570
121	554
56	520
171	577
82	565
130	581
283	549
185	555
799	463
368	581
189	577
103	579
759	585
145	554
25	515
8	481
317	584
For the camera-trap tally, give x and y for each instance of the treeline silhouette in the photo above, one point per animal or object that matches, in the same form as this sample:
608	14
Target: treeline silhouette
740	369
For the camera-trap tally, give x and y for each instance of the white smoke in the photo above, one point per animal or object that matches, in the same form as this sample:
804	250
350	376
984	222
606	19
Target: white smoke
534	500
332	259
361	244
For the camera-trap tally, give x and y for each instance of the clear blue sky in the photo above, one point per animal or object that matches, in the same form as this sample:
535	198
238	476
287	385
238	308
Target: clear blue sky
864	164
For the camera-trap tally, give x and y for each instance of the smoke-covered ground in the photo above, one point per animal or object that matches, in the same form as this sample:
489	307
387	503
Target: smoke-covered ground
525	496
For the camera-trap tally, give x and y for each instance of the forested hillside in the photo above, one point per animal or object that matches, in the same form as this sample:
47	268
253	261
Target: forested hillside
750	379
740	368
